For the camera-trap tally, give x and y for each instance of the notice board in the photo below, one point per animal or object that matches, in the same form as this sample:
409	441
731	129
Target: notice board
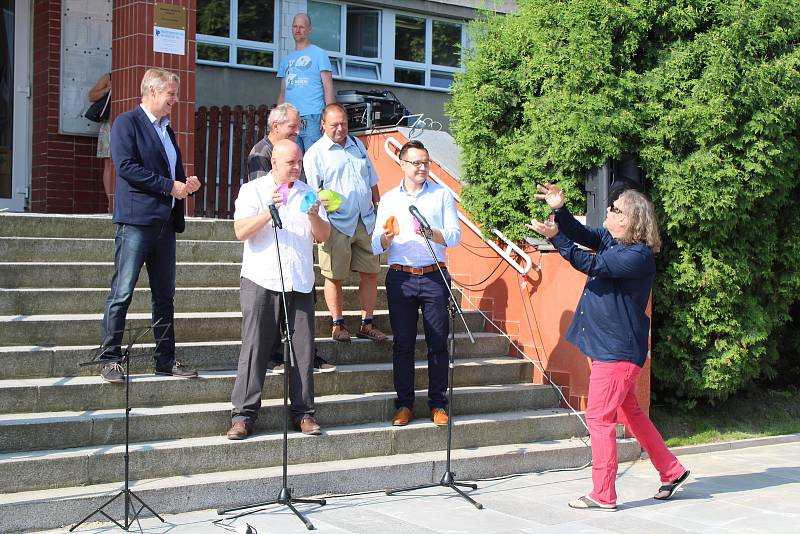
85	55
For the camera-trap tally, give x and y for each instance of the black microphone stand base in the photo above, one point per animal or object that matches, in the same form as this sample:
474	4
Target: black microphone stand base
131	513
447	481
285	499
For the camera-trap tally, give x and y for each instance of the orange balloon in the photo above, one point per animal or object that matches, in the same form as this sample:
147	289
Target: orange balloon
392	224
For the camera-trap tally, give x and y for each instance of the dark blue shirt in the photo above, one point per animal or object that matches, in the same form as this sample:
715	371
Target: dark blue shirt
610	323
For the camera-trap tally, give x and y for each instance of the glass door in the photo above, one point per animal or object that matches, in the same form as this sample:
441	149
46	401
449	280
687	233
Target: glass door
14	104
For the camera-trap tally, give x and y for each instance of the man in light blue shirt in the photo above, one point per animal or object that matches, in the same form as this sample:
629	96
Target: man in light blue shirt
306	81
413	281
339	162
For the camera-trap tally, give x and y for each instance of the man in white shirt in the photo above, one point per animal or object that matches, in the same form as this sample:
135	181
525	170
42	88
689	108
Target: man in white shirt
261	288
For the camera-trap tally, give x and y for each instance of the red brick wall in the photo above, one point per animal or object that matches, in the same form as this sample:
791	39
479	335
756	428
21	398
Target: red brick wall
132	55
66	177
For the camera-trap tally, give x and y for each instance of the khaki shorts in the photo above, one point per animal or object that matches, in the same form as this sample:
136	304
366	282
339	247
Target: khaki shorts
341	254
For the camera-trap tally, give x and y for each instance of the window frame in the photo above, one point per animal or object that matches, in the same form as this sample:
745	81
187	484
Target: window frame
386	61
234	43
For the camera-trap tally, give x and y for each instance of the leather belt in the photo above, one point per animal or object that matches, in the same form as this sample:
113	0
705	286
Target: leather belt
417	271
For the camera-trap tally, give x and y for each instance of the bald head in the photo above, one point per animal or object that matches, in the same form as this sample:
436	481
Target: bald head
301	30
287	161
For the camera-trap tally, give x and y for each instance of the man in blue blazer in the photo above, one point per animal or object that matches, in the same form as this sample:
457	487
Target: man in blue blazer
148	212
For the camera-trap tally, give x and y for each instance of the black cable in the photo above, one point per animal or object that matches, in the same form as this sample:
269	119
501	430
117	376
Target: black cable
466	285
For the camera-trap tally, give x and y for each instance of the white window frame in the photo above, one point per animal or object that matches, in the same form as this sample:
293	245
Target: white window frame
234	43
385	61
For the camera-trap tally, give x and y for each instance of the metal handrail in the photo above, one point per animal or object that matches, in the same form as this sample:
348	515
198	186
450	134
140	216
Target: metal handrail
527	263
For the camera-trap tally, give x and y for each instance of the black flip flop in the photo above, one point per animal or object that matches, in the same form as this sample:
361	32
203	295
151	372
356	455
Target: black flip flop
666	491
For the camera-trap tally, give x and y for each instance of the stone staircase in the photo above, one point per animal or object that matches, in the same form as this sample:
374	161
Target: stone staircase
62	427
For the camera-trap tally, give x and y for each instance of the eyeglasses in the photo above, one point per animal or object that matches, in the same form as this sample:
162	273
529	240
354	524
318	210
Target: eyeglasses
420	163
615	209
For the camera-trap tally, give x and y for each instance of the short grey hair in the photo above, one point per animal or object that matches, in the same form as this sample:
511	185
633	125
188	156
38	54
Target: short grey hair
158	79
280	113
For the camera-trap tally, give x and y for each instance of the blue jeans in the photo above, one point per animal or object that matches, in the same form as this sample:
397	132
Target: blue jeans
310	131
407	293
154	246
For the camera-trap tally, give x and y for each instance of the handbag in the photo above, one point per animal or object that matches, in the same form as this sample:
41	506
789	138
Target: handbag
100	110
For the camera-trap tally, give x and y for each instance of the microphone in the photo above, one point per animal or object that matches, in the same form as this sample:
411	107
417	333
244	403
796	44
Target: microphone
273	210
418	216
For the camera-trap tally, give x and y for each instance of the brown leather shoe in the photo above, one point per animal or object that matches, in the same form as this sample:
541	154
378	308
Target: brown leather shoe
307	425
439	417
402	417
340	333
368	331
240	430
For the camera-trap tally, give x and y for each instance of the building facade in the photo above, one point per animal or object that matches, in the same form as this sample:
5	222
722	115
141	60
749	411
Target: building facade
226	53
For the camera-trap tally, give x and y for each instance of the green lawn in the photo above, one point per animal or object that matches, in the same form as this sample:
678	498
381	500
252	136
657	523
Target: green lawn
748	415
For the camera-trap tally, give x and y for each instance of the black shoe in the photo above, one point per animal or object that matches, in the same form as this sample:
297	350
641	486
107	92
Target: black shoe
276	366
177	369
112	372
323	366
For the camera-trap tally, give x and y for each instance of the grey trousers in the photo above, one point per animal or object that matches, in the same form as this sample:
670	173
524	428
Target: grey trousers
261	336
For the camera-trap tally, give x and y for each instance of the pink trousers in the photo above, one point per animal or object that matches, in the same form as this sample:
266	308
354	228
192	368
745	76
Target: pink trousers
612	391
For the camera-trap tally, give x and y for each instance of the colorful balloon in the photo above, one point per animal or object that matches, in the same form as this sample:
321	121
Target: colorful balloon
333	198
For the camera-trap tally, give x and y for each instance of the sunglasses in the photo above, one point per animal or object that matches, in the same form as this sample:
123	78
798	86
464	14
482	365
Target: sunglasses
615	209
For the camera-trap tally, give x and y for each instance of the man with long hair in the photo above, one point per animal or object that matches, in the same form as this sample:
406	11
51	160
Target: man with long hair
611	327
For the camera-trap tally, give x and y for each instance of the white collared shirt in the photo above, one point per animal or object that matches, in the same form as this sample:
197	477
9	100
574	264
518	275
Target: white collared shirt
169	148
436	204
259	259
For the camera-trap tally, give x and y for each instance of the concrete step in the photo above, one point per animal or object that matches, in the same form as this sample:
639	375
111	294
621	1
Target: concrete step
98	274
61	249
36	395
99	226
83	329
46	301
40	362
37	510
35	431
101	464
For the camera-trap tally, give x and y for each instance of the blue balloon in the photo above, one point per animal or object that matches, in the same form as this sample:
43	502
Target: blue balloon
309	200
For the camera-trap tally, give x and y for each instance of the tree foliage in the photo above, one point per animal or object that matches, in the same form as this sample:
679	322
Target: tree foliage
707	92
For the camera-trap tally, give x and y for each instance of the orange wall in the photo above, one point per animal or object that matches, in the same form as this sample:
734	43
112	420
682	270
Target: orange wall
534	309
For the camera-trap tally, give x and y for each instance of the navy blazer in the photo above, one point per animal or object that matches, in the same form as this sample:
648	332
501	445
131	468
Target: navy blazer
144	182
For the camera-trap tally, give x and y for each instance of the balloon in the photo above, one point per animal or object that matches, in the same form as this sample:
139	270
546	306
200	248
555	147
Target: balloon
309	200
283	190
334	199
392	224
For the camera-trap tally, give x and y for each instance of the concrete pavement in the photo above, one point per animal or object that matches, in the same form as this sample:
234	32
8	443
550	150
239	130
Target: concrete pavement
731	490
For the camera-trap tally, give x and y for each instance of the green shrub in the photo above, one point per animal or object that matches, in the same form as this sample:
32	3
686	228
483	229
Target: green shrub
708	94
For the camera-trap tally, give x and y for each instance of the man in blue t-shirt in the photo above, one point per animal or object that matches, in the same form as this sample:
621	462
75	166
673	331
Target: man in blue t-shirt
306	81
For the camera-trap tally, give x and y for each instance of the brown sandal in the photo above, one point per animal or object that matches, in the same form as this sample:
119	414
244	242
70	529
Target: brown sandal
340	333
368	331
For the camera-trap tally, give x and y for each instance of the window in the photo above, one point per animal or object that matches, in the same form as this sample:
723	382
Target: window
387	46
360	40
238	32
420	44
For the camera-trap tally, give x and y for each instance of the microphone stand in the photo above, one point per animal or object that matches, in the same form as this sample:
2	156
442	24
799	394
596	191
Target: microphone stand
285	495
449	477
131	512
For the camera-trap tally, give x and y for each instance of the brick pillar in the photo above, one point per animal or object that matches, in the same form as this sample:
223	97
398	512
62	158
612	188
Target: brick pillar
66	177
132	55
